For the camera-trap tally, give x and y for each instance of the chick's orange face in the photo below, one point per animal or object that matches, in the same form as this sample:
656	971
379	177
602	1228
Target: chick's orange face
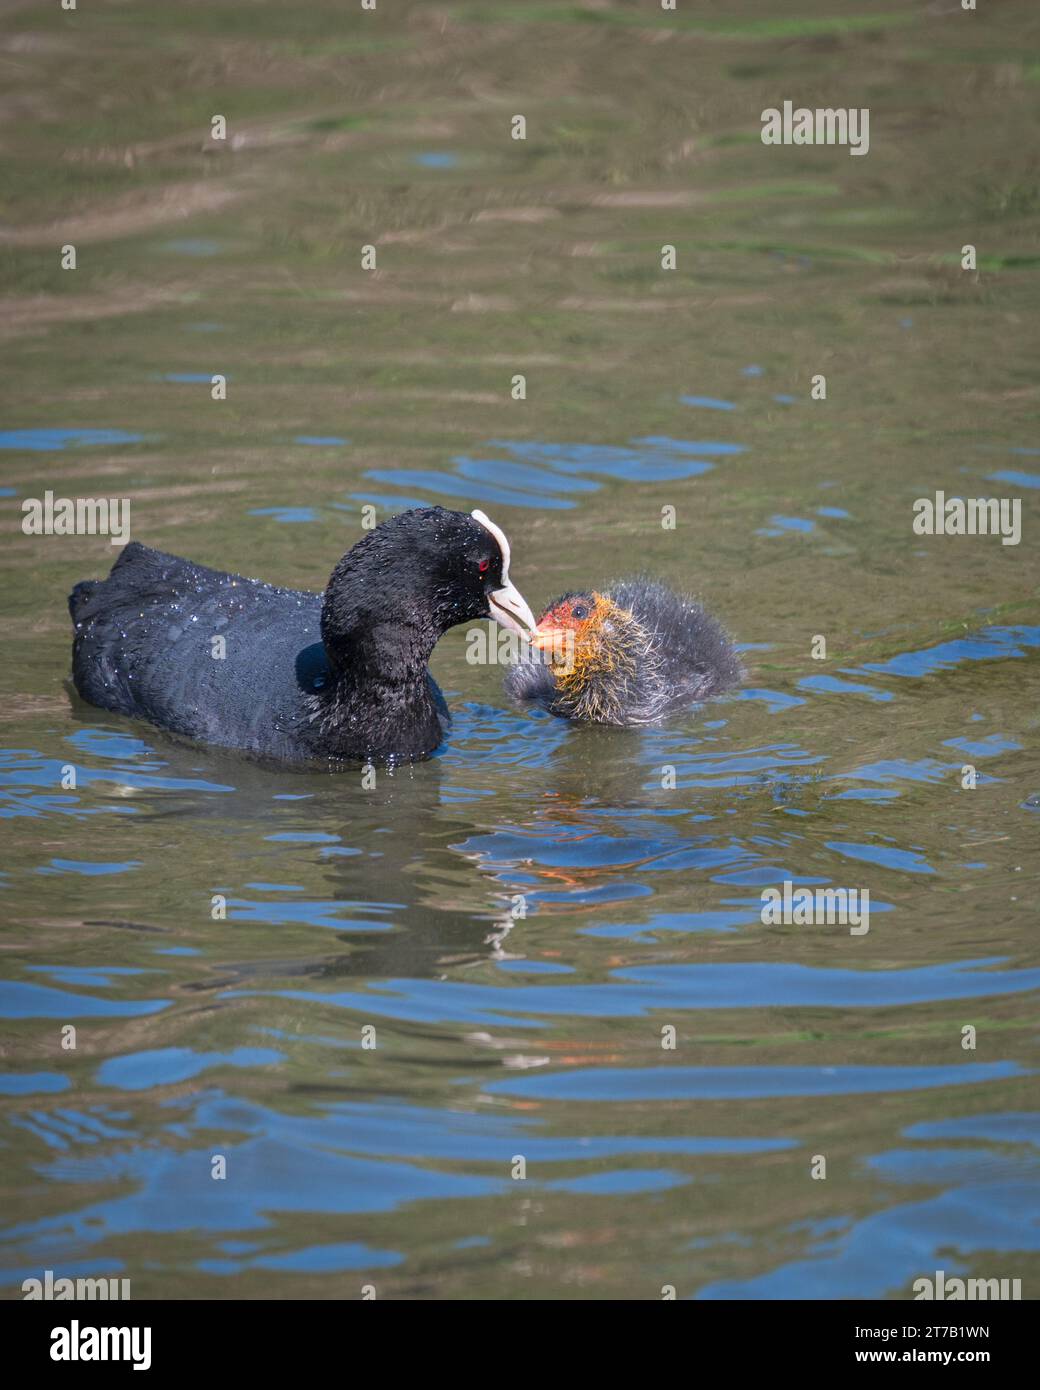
568	628
572	612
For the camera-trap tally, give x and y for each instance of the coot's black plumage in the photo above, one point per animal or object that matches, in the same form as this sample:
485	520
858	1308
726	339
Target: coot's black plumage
630	654
299	676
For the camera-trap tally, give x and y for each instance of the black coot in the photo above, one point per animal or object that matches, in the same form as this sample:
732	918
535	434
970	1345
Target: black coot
630	654
297	676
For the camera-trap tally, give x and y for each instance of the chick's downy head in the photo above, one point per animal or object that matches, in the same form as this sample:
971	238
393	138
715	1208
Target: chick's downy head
594	648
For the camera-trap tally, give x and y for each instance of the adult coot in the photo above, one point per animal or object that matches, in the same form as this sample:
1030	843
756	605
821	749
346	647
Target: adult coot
292	675
628	655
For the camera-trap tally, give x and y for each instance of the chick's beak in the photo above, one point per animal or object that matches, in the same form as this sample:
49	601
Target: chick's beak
545	638
508	605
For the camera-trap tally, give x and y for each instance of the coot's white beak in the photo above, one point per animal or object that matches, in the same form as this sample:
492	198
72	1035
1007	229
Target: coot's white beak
507	604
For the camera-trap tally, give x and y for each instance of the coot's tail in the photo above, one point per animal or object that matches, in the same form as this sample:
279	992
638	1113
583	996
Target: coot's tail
85	590
79	596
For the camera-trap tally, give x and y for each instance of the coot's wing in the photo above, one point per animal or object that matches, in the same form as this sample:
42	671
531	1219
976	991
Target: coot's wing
195	650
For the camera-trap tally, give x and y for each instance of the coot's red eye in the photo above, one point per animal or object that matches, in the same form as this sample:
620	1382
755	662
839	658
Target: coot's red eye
484	566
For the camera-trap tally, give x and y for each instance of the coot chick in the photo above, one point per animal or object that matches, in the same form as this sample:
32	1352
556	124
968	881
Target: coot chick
297	676
630	654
